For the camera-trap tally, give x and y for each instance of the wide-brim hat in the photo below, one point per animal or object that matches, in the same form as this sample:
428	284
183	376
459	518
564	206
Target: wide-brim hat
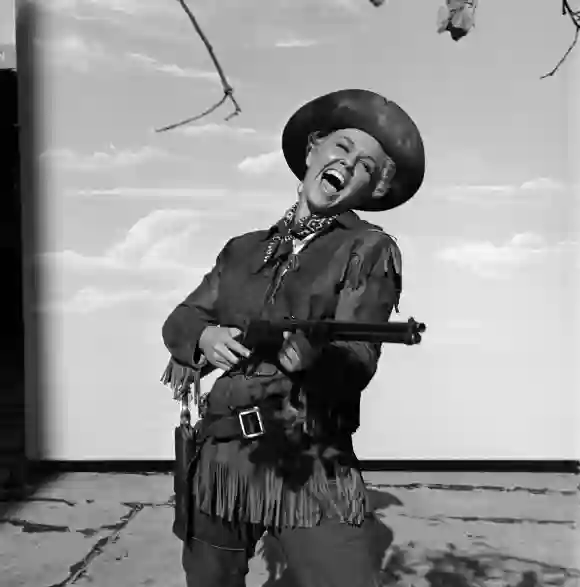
372	113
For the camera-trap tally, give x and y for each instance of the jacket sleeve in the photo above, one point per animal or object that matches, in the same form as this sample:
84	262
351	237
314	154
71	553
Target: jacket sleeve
371	289
183	327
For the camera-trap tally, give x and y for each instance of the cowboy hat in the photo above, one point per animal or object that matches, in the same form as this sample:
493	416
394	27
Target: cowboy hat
384	120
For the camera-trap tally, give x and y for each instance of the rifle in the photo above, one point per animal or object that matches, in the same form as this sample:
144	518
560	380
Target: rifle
259	334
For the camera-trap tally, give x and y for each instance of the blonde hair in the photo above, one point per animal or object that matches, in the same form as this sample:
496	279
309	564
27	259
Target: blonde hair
386	173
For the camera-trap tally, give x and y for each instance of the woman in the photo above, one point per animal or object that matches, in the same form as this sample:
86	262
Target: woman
351	149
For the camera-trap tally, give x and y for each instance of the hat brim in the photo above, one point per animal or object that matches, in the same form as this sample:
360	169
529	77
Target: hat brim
383	119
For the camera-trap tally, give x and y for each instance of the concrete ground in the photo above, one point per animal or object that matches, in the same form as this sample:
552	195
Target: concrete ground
456	530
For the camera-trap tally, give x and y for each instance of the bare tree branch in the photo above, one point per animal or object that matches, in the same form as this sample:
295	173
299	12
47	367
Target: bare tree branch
575	18
228	90
198	116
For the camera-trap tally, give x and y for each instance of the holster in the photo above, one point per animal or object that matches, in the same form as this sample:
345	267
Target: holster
188	444
185	455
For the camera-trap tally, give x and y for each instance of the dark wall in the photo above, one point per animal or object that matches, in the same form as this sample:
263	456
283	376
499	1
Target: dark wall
12	398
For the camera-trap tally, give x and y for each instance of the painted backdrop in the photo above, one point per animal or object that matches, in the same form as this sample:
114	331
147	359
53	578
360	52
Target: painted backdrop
132	219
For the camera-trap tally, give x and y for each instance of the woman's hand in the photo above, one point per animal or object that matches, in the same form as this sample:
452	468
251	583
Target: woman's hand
297	352
220	347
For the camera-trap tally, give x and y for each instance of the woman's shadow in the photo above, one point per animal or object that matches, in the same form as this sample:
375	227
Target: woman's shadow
381	537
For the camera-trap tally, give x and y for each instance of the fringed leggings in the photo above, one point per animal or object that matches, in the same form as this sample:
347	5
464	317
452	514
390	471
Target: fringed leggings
331	554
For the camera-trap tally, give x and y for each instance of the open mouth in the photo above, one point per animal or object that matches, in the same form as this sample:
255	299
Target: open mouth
333	180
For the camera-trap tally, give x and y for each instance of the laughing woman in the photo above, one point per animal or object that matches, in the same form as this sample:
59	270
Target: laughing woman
300	481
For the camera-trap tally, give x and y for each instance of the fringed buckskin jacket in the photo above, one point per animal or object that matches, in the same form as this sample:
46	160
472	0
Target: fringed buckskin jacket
351	272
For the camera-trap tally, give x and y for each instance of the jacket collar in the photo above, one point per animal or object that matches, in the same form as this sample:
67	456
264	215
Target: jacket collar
347	220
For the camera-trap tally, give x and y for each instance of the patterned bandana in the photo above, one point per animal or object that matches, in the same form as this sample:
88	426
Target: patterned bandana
281	242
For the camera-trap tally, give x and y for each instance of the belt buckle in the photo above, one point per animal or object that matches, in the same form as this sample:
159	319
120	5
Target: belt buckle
255	415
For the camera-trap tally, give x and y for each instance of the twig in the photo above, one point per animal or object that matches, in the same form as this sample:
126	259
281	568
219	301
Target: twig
228	90
570	48
194	118
575	18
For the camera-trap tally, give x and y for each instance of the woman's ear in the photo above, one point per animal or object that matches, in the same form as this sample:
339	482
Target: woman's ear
386	175
313	140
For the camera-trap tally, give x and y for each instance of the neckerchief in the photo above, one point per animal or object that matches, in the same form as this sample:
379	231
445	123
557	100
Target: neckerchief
281	243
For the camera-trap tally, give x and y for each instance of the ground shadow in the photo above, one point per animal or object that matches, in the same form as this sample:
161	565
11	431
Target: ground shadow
415	565
380	535
450	567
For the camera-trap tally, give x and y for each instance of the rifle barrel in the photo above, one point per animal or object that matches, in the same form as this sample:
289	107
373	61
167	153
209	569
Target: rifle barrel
354	327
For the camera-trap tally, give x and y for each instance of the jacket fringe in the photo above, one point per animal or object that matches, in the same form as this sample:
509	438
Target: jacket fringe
178	378
263	497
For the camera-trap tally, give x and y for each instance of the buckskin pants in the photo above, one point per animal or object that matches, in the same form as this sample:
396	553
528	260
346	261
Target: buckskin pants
332	554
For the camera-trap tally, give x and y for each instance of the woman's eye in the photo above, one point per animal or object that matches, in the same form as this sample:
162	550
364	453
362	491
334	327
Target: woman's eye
342	146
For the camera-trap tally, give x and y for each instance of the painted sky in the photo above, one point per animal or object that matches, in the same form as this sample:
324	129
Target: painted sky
133	218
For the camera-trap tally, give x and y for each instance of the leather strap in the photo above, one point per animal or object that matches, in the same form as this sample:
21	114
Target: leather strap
223	428
197	367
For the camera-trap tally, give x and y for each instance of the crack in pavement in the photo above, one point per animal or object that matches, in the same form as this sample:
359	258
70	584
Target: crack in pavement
78	569
40	499
30	527
570	571
33	527
492	520
461	487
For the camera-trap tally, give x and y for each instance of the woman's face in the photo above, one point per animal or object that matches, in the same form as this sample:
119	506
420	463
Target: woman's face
342	171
